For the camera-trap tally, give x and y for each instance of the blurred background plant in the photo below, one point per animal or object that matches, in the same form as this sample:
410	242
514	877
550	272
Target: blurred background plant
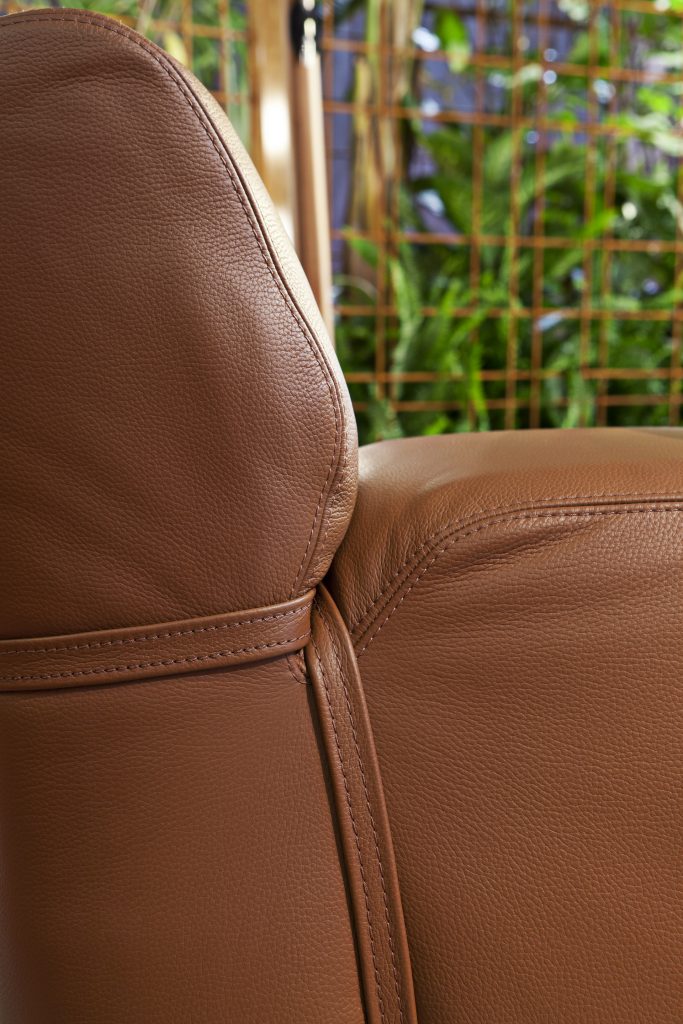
209	36
511	254
506	197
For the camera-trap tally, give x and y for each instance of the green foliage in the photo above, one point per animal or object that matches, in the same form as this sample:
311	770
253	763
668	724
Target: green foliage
454	38
622	187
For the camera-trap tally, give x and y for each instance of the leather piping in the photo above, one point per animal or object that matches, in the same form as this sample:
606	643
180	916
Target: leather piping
362	816
138	652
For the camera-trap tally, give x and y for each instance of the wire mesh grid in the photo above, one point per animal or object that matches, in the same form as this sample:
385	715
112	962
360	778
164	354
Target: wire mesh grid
507	211
208	36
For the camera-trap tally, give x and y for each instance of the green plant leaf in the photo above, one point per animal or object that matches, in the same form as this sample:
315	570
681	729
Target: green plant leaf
366	249
455	39
577	10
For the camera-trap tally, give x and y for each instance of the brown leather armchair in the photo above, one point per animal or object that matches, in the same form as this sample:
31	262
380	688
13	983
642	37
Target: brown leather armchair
444	786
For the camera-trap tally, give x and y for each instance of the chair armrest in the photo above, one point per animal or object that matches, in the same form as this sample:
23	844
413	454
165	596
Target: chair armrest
416	493
515	605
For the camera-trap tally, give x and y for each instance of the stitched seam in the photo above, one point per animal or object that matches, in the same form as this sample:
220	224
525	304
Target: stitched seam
154	664
203	118
315	517
458	536
298	673
349	804
342	476
385	898
426	545
156	636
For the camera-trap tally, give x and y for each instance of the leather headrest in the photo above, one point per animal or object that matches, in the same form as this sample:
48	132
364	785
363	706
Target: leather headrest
177	438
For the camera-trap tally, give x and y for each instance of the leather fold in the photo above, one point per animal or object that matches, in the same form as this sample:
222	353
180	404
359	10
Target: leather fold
169	648
362	816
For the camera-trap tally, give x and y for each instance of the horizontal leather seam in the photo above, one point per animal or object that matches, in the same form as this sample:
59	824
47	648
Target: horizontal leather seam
155	664
240	191
156	636
457	536
481	515
174	646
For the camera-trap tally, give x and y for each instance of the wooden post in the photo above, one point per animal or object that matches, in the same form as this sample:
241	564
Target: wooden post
288	136
271	81
314	212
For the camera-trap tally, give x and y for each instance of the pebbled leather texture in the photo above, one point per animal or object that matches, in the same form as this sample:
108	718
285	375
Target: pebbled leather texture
124	655
177	435
177	447
168	854
363	822
516	606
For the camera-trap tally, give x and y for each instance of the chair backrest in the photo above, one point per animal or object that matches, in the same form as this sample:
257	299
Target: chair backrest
178	466
177	436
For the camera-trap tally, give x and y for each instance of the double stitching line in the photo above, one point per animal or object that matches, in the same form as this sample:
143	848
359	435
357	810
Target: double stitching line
190	659
158	636
455	537
354	826
476	517
352	721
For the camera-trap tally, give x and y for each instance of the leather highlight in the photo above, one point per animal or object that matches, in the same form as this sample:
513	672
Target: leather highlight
123	655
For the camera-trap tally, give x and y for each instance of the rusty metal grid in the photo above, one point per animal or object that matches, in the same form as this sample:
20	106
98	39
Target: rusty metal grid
209	36
517	387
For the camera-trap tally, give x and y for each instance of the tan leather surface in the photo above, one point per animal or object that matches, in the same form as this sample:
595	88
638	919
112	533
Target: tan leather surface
415	493
177	436
519	601
168	855
363	822
123	655
177	444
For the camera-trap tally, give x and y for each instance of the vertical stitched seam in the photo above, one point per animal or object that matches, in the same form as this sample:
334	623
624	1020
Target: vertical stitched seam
317	509
340	480
385	898
328	696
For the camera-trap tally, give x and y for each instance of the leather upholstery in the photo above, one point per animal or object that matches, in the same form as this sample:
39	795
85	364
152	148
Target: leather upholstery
515	605
177	436
464	804
177	444
363	822
124	655
168	855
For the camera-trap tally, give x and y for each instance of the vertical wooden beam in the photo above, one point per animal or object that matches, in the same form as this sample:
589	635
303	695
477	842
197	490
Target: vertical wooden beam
288	137
315	248
272	129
